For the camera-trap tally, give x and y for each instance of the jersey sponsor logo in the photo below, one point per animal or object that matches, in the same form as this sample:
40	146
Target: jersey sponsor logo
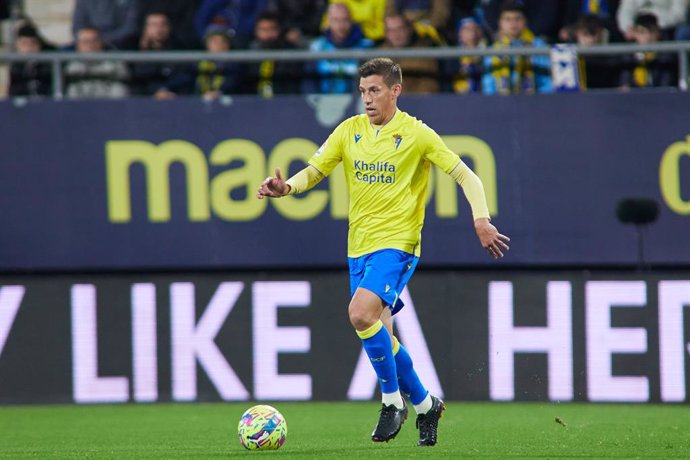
381	172
357	137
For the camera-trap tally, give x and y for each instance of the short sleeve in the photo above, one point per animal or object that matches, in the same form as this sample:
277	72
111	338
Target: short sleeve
436	151
330	153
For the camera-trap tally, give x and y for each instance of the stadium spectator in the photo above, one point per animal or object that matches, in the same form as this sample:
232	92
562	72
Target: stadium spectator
236	15
30	78
596	71
459	10
180	14
157	33
683	34
683	30
669	14
544	17
434	12
605	10
209	79
467	71
647	69
4	14
368	14
516	74
116	21
149	77
422	76
330	76
95	79
267	78
300	18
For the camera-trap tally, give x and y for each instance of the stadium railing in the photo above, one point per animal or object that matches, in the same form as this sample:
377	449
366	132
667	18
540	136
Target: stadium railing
60	57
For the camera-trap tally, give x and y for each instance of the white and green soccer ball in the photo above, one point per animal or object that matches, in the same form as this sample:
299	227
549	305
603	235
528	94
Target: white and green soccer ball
262	427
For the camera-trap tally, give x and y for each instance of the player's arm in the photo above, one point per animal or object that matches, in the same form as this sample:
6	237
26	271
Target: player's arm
275	187
473	189
320	165
438	153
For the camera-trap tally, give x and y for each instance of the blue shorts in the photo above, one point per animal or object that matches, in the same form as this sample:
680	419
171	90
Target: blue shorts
385	273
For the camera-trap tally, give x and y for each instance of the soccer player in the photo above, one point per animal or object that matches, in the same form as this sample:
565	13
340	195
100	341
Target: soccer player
387	154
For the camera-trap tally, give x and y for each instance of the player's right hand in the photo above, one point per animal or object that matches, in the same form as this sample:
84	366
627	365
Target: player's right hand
273	187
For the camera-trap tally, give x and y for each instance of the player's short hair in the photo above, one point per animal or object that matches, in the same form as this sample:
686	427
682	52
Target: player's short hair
389	70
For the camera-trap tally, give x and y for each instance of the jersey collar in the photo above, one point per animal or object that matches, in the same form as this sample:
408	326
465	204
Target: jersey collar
390	122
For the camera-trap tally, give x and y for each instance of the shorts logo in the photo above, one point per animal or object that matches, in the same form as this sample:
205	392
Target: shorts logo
378	360
388	288
357	137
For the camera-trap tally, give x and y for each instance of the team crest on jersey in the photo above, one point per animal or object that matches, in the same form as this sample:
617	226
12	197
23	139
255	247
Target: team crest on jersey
397	138
357	137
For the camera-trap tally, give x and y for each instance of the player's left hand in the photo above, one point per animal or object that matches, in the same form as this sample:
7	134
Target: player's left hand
491	240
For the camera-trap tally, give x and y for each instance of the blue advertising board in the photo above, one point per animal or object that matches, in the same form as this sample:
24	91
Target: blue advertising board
142	184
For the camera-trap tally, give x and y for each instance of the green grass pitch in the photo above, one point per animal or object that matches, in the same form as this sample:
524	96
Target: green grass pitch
341	430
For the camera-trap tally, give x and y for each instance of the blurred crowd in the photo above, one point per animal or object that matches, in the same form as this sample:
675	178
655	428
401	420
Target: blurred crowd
218	26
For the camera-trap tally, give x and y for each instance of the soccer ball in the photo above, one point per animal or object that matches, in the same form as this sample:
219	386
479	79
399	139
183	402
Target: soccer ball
262	427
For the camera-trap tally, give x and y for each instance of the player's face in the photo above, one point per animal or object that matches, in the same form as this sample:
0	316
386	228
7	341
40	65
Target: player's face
379	100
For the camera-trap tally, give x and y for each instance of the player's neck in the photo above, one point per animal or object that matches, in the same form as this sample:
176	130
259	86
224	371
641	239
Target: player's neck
385	120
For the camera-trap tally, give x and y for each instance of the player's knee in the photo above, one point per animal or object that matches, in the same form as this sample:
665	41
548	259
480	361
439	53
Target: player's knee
360	318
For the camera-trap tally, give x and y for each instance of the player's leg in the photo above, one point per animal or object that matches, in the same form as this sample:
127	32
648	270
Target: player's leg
409	382
429	408
365	311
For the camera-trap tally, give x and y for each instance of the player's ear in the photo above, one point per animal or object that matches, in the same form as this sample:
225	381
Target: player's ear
396	89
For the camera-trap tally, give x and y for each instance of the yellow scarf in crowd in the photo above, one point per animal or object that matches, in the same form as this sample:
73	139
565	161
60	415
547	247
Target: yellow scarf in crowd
641	77
266	70
521	66
210	77
469	68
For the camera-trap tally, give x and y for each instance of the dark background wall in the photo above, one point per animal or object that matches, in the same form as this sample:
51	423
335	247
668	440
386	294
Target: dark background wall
554	168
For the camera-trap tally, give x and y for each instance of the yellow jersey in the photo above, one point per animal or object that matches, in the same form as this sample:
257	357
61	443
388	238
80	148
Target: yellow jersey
387	173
